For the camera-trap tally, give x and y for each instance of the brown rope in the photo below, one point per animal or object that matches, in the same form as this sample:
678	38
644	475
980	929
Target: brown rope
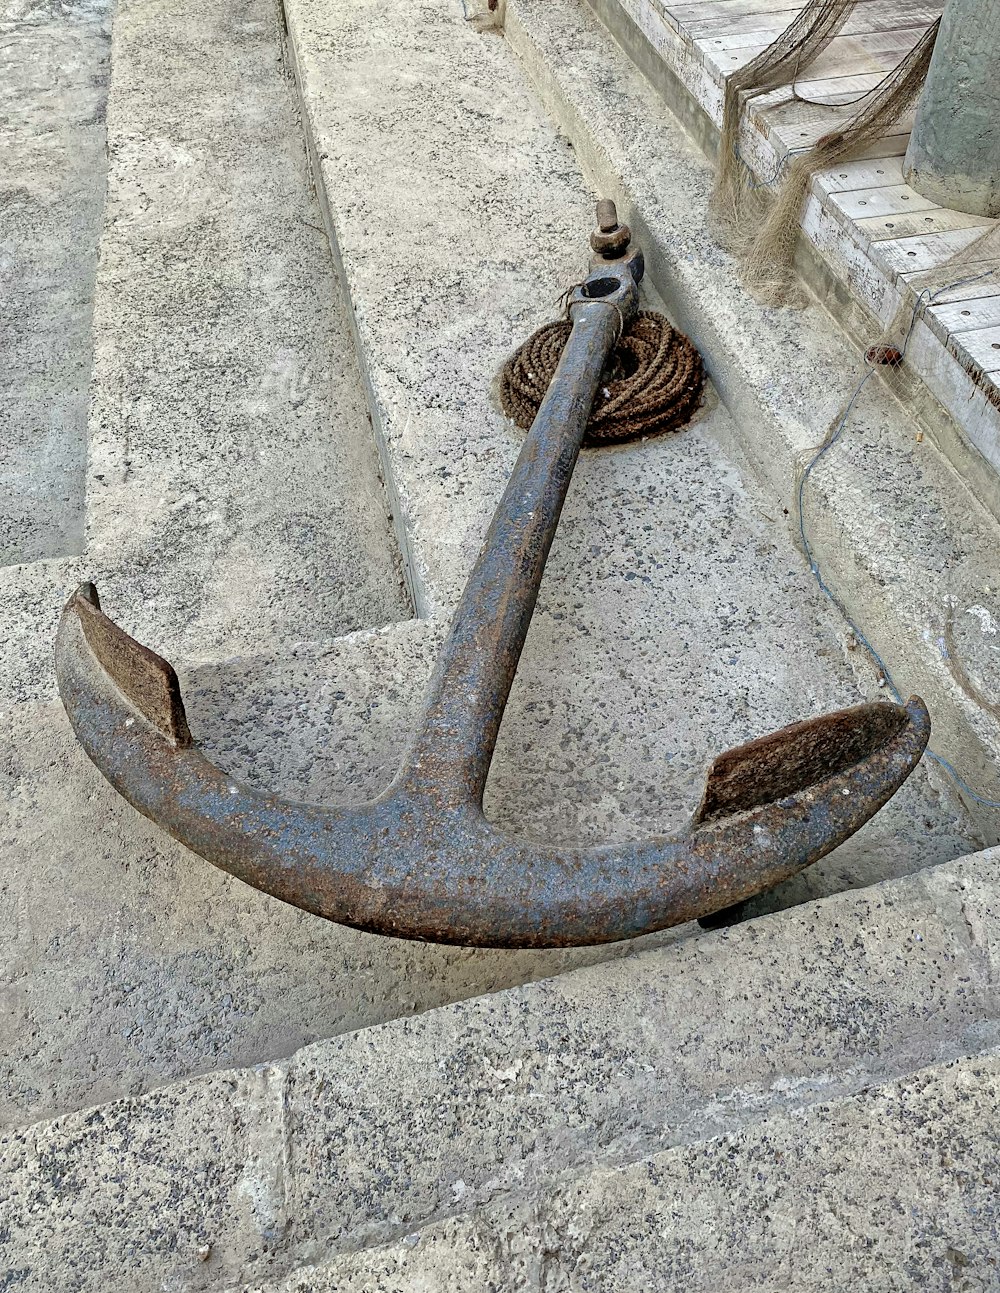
654	380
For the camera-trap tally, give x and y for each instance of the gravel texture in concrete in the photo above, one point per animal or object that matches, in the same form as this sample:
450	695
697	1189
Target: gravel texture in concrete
53	82
365	1138
676	618
891	1190
129	962
234	498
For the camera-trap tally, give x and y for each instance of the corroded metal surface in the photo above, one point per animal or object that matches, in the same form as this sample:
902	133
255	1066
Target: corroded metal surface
422	861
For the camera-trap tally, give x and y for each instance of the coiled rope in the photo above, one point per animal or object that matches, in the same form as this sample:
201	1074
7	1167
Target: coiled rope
654	380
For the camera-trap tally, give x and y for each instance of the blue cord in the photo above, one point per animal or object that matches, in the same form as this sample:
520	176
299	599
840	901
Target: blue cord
924	297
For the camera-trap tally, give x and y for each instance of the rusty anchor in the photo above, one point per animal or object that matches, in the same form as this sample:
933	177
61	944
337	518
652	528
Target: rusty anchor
421	861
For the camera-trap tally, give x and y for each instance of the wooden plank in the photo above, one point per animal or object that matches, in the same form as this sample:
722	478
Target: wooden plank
979	282
906	228
796	126
876	52
841	58
916	224
903	12
869	173
967	395
837	91
758	36
960	316
730	10
980	347
887	47
850	262
907	256
886	15
892	199
903	9
866	20
794	119
840	77
732	28
724	64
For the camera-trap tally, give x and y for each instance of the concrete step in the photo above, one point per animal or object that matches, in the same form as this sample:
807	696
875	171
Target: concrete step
236	514
53	78
676	618
890	1189
237	523
234	500
128	962
901	538
247	1175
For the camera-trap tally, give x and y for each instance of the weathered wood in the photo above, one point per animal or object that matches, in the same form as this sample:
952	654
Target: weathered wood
871	173
877	233
905	256
869	203
980	347
966	315
916	224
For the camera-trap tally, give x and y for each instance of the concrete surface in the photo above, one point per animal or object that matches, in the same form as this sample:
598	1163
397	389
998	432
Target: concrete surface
686	602
247	1175
53	76
676	618
890	1190
236	521
233	486
901	540
235	507
954	151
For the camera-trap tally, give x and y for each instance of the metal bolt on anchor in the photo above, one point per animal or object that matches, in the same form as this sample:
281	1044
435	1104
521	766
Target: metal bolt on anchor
421	861
610	239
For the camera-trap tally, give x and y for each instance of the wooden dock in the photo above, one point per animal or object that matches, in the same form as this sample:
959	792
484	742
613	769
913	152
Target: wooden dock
874	232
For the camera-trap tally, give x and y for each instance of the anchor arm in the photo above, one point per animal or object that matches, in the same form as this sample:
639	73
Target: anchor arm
405	867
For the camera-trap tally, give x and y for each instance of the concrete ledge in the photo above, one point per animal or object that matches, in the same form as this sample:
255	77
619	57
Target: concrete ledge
893	1188
233	492
128	962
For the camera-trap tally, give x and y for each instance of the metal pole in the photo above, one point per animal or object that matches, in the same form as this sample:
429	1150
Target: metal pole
954	151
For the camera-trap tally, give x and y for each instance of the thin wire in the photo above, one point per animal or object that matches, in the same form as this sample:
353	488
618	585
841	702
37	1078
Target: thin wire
567	302
924	297
596	300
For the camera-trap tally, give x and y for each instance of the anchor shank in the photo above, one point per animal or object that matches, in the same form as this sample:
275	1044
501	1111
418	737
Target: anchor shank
450	757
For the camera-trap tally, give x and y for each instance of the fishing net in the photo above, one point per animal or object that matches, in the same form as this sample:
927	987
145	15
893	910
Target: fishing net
767	257
975	266
758	224
737	199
